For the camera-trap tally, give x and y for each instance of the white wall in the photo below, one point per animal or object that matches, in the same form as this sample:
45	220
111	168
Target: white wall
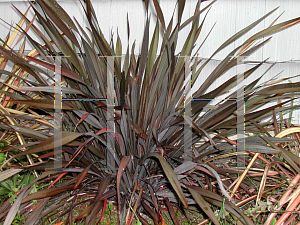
230	17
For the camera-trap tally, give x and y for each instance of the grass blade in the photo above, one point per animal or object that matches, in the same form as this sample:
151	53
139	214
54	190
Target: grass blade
65	136
123	164
159	14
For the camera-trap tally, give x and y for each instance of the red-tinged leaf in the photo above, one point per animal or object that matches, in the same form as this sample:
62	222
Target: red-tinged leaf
49	154
137	201
62	13
44	103
46	193
37	32
104	130
21	147
123	164
275	123
21	52
291	207
159	14
172	177
82	119
27	28
14	208
16	31
196	15
64	90
144	52
120	142
34	215
84	213
18	77
103	210
181	4
63	137
57	20
118	50
83	32
57	179
64	71
81	176
153	48
43	165
274	29
91	219
120	107
171	211
102	187
96	203
96	151
13	57
89	9
153	214
80	148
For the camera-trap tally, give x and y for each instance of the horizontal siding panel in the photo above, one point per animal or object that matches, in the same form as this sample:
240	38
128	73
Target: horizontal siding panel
230	16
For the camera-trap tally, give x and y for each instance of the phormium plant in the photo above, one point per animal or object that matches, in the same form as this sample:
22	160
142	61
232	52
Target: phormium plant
134	151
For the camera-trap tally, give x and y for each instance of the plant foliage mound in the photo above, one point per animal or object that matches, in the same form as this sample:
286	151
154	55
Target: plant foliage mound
129	132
